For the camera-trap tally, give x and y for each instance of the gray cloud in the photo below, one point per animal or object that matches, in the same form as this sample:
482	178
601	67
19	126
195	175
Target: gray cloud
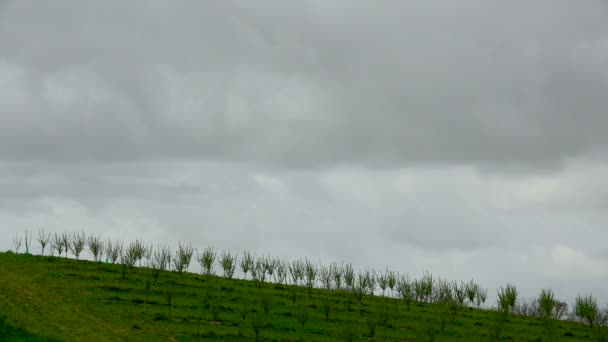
307	84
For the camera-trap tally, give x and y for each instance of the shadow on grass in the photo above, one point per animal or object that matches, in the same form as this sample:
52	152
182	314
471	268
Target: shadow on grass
10	333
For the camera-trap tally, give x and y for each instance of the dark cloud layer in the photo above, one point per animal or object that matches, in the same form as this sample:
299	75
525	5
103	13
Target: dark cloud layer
305	84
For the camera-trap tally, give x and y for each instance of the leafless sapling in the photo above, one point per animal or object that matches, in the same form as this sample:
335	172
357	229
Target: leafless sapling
206	260
182	258
66	241
17	243
43	239
311	275
246	263
57	244
79	241
228	263
96	247
28	241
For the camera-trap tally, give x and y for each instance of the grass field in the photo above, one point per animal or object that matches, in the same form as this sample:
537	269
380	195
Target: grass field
71	300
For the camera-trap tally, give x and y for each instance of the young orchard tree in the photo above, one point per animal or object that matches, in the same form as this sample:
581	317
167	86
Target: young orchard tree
269	265
128	257
360	286
406	289
587	309
525	307
113	250
337	273
228	263
17	243
148	250
392	280
370	281
182	258
161	258
349	276
57	244
418	290
282	271
206	260
169	291
79	241
507	298
443	291
383	281
311	276
258	273
481	296
247	263
96	247
67	242
43	239
137	250
28	241
560	310
325	276
427	283
471	289
546	303
460	292
296	269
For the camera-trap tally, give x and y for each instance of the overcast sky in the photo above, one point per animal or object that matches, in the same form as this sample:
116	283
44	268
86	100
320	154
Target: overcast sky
466	138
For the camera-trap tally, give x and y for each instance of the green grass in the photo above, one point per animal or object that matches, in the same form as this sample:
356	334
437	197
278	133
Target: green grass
70	300
11	333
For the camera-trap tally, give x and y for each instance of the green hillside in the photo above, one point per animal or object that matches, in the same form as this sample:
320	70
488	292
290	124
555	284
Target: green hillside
73	300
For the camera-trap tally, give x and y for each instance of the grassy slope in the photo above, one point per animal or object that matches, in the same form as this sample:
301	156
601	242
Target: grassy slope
70	300
9	333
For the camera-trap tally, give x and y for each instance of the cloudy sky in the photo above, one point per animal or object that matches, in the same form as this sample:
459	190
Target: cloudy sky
466	138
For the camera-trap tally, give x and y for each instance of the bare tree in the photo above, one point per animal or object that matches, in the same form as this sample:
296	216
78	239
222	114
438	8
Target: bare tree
17	243
247	263
392	281
311	275
481	296
349	276
28	241
406	289
148	254
296	269
228	263
383	281
370	281
258	273
269	263
337	273
325	275
57	244
113	250
137	250
43	239
79	241
282	271
96	247
161	257
66	242
131	254
182	258
206	260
